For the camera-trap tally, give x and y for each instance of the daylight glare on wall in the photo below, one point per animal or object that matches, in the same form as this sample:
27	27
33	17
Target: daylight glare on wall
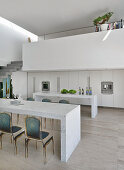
19	29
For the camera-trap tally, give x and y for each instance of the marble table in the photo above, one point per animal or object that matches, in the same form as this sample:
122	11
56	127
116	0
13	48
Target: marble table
38	96
68	114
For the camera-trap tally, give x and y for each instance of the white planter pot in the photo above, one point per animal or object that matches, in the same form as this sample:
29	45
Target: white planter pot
104	27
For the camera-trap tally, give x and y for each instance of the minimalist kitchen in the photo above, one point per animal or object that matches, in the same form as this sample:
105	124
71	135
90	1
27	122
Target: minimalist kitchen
76	80
61	97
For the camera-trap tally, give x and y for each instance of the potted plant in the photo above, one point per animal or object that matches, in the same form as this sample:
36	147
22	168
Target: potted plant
101	20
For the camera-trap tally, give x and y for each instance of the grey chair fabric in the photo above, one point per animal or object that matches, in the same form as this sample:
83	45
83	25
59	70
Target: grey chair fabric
5	122
46	100
33	127
64	101
30	99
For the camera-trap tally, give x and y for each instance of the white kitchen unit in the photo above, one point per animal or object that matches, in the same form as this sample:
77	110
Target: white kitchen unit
68	114
93	99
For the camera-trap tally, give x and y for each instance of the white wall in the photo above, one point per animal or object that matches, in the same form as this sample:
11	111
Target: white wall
74	79
11	44
19	82
81	52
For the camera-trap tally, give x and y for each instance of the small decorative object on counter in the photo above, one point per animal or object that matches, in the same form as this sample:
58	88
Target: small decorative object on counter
8	94
87	91
90	91
121	23
15	102
15	96
79	91
82	91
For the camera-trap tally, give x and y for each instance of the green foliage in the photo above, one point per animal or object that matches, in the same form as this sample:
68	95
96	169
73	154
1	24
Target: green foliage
72	91
103	19
64	91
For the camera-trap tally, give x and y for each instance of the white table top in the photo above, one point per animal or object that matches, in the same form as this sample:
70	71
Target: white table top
48	110
55	94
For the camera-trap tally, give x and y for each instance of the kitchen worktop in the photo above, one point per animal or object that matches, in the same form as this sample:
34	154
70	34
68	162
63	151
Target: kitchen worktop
63	95
38	96
43	109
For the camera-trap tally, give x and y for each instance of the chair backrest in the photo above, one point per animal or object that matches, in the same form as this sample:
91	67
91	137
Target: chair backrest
5	122
30	99
46	100
64	101
32	127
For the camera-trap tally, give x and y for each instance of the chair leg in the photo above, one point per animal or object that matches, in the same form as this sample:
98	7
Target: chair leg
53	145
52	123
25	148
1	140
36	145
45	123
11	138
15	146
17	118
44	152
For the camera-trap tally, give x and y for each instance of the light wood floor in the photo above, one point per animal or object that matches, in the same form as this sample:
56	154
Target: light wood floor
101	146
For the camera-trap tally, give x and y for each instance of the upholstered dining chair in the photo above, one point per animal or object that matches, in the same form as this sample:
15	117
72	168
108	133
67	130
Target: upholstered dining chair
33	132
47	100
6	127
64	101
30	99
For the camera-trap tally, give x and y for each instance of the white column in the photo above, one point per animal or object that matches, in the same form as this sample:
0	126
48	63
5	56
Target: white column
70	133
94	107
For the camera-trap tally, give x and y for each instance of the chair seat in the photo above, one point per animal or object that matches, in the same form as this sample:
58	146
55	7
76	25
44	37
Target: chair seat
15	129
43	135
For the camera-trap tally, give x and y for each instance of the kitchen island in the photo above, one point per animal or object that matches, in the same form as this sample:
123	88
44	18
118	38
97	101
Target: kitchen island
69	115
93	99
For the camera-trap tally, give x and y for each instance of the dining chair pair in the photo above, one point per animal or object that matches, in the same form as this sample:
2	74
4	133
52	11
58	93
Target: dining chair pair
6	127
32	132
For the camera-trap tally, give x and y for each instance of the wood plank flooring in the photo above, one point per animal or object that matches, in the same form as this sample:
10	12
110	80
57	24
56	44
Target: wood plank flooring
101	146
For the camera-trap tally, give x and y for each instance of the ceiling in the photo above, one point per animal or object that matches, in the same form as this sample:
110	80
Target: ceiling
49	16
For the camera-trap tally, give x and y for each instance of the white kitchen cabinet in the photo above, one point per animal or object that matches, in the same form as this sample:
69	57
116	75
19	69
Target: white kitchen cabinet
118	88
76	79
107	100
